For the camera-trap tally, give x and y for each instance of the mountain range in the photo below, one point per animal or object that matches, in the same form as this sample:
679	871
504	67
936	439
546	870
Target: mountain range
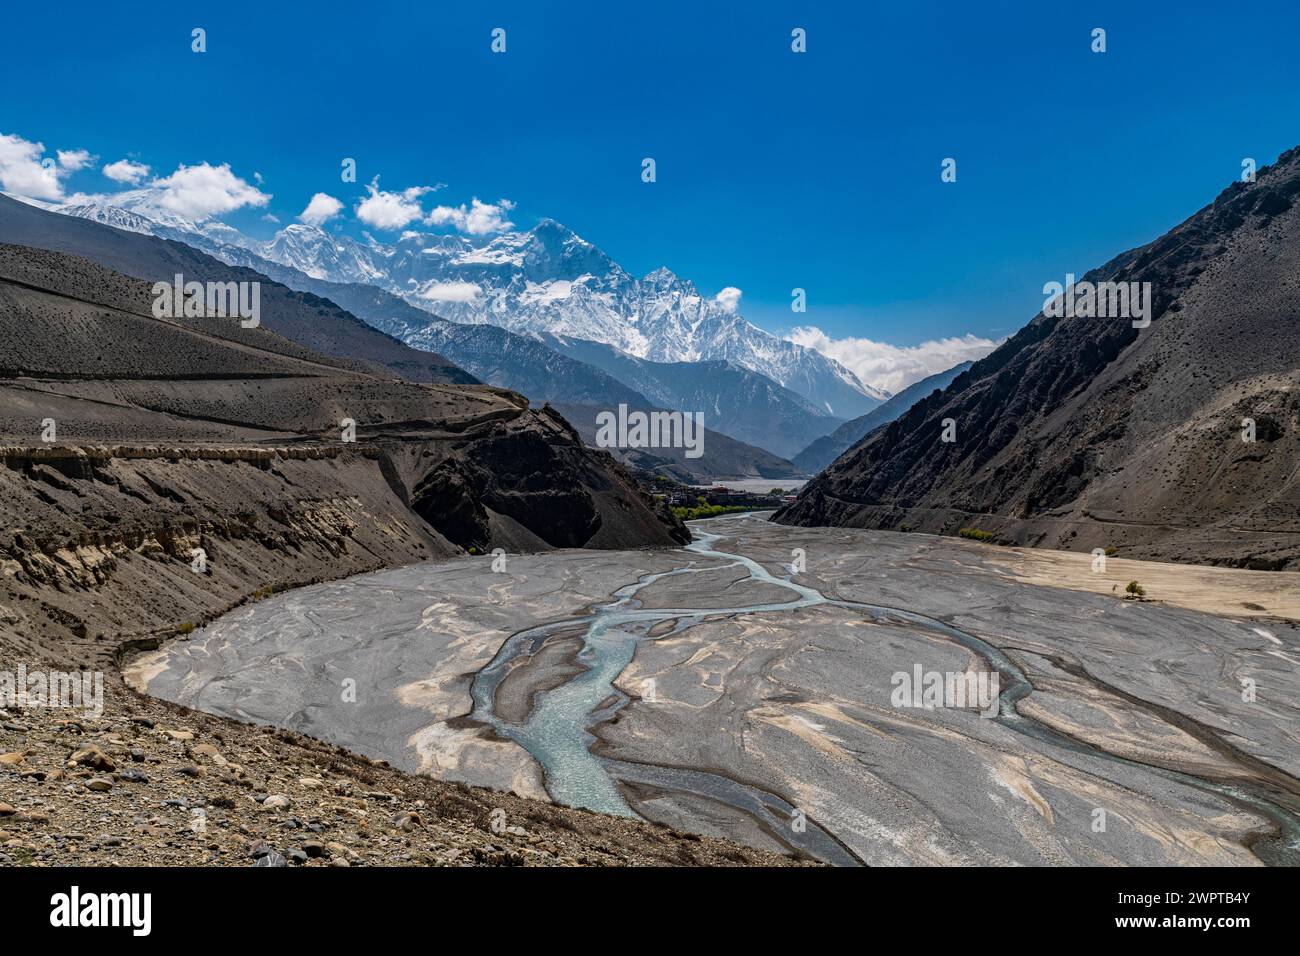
549	284
549	280
1175	441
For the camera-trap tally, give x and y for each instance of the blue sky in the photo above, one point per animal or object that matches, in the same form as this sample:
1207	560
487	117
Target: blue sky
775	169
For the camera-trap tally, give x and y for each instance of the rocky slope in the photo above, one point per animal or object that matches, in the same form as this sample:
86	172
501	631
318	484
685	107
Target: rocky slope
1082	433
820	453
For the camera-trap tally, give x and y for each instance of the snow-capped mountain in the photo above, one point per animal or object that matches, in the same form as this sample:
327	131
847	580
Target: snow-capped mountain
544	281
138	211
312	250
550	280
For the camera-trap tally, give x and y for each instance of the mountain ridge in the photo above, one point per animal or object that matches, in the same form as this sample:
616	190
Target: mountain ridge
1084	433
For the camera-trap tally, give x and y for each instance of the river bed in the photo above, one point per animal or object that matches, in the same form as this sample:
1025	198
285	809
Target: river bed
745	686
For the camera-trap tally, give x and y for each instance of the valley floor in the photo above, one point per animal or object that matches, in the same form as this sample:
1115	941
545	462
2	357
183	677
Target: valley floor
712	689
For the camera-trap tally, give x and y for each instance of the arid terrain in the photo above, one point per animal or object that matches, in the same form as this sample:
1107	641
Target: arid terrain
713	690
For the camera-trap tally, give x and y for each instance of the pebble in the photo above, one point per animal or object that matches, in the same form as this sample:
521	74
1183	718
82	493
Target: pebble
100	784
211	752
270	859
276	801
91	756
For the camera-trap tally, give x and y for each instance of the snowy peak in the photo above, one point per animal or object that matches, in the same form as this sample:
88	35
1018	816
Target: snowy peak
553	251
663	281
312	250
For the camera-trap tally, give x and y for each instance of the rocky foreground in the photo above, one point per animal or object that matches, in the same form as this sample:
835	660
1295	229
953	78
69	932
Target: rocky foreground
152	784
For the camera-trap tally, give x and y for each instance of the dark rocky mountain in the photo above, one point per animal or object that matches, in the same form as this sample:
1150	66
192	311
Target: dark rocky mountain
736	401
1086	433
175	434
826	449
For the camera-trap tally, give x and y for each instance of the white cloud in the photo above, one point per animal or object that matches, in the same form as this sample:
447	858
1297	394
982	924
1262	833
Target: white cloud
450	292
890	366
728	298
275	220
385	210
197	192
321	209
478	219
126	171
75	159
22	170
